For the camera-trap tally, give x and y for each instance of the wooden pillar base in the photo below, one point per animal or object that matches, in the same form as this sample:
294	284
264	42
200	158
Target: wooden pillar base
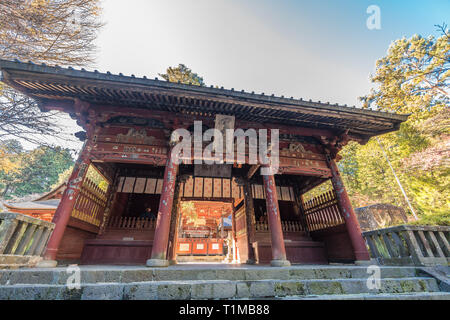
280	263
47	264
366	262
157	263
172	262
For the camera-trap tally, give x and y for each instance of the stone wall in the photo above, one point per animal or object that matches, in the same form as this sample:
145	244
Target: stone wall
380	216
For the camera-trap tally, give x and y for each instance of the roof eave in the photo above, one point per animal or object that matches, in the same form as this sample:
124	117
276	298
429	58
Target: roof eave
7	65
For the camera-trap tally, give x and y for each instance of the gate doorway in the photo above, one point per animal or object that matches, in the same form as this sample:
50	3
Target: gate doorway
205	232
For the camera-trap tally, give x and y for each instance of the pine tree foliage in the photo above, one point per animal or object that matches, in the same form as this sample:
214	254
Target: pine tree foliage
413	78
182	74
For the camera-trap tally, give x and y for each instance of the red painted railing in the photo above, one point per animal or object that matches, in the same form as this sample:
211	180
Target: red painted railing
322	212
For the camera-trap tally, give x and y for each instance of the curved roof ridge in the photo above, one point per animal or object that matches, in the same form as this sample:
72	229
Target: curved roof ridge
132	79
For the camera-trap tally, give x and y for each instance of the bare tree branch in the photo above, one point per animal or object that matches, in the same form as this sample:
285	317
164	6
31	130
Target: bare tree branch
53	32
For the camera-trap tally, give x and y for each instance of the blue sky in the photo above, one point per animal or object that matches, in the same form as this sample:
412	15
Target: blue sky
319	50
311	49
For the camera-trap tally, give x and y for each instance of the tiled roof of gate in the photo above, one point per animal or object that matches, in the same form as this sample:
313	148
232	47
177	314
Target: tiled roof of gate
45	82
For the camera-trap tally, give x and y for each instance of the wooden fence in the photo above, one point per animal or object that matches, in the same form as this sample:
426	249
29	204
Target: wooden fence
22	239
410	245
322	212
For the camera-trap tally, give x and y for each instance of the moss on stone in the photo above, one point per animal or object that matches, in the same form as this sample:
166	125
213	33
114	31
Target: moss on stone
328	287
289	288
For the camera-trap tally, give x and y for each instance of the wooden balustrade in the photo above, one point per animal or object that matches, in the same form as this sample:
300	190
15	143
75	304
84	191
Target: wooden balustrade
91	203
322	212
410	245
261	226
22	239
131	223
287	226
291	226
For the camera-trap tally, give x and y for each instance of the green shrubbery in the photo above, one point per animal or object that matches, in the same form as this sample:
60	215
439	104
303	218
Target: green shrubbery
436	219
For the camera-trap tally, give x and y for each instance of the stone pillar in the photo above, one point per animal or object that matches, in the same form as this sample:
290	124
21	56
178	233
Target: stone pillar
273	215
351	222
64	210
161	238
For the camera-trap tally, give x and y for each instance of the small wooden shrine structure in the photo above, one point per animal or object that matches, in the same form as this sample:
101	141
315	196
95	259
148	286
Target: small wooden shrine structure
127	124
43	207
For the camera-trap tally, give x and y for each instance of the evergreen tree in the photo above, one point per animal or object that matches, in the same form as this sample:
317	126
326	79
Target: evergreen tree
182	74
413	78
36	170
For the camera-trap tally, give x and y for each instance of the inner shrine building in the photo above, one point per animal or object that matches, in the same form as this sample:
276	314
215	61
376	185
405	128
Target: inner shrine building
128	202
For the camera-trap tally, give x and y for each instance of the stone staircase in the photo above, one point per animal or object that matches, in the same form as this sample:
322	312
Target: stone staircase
218	282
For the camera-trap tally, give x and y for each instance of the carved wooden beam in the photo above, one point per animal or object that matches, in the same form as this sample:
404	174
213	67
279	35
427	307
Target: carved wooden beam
252	170
333	145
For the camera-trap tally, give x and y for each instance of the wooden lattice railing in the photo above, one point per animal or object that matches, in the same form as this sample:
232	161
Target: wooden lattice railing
287	226
90	203
322	212
131	223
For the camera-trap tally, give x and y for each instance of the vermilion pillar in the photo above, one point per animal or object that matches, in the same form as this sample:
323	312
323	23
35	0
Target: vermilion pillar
351	222
161	238
64	210
273	215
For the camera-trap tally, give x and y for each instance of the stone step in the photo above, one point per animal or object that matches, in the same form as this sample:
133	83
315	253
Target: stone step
200	259
381	296
215	289
126	274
